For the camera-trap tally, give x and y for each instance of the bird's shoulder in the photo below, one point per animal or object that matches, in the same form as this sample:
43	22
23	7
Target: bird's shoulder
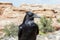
21	26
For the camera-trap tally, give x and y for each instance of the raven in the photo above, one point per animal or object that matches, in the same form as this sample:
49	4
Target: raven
28	30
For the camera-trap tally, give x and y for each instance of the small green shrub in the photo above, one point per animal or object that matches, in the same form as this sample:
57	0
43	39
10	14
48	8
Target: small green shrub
45	25
11	30
58	20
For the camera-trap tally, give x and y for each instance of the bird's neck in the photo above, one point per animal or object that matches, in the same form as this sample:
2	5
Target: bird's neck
27	19
29	22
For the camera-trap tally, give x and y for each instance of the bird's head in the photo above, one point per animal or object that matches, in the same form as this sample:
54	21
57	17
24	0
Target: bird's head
31	15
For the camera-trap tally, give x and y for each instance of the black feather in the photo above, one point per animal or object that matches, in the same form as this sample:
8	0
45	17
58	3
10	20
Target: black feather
28	30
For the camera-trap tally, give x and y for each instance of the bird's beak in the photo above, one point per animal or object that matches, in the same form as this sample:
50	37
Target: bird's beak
36	16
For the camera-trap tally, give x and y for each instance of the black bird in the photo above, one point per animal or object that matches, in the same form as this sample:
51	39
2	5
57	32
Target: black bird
28	30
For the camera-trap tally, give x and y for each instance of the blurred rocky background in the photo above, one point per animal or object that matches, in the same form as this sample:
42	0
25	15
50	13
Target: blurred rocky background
11	14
